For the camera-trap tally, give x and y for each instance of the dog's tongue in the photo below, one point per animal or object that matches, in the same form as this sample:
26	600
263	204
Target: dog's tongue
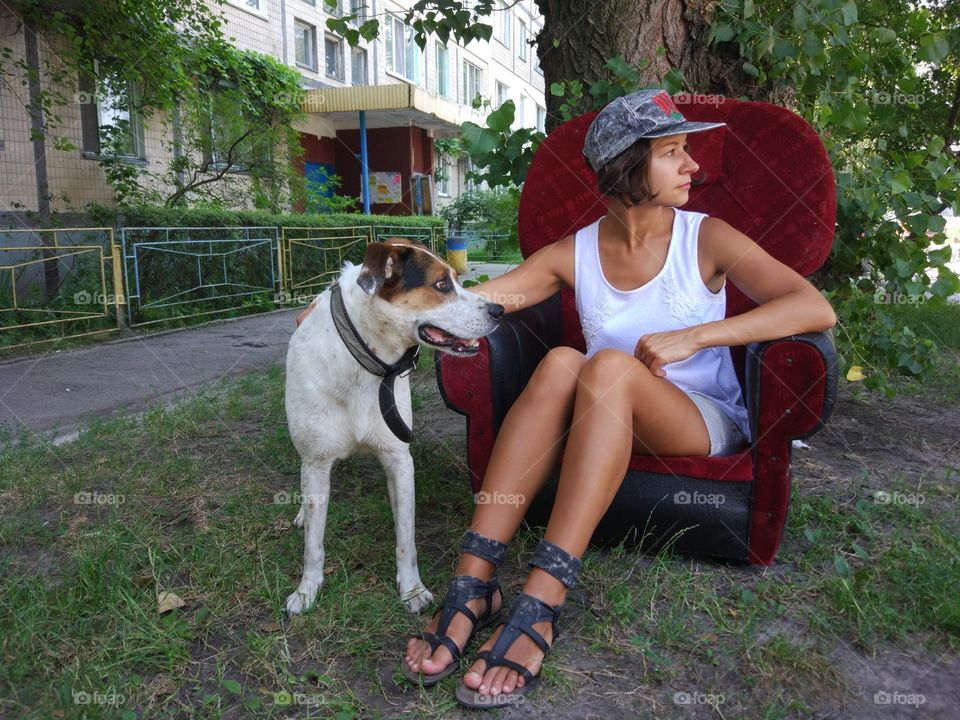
435	334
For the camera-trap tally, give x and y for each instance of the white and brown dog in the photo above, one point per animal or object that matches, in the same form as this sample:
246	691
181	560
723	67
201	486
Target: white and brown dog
347	389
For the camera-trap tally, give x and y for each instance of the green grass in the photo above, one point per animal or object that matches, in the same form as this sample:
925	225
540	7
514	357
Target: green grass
198	518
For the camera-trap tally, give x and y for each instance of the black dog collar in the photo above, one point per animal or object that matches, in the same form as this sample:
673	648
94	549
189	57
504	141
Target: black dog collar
372	364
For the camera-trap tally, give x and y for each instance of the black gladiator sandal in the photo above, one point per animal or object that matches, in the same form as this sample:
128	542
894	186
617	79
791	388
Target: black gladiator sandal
462	589
524	612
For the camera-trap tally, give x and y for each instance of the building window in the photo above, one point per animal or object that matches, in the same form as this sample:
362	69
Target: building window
522	45
225	143
257	6
333	56
358	66
111	124
403	54
504	24
541	119
503	93
358	9
335	10
472	82
444	179
305	44
468	168
443	70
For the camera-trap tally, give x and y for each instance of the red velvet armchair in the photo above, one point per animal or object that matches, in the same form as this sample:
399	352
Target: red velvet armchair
768	175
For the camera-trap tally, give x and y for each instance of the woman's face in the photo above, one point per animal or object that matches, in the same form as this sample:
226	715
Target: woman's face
671	169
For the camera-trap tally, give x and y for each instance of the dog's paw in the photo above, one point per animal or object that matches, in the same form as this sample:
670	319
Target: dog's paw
417	598
303	598
298	520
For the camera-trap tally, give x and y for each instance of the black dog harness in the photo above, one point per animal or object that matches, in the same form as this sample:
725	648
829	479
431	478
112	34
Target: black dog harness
371	363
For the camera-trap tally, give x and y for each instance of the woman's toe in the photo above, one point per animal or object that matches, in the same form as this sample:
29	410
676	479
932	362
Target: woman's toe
433	664
474	676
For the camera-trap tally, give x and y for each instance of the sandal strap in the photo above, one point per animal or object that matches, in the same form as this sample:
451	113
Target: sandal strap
445	640
462	589
556	561
524	612
504	662
486	548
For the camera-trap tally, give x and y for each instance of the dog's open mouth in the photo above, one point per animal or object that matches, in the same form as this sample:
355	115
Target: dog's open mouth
439	338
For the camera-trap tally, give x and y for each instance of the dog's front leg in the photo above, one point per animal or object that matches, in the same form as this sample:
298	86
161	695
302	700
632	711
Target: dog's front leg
398	465
315	492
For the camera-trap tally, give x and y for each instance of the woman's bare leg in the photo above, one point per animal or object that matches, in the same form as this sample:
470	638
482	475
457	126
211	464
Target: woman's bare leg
620	409
527	448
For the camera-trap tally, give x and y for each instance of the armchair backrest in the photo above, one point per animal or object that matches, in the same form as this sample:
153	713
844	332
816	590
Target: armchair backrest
767	174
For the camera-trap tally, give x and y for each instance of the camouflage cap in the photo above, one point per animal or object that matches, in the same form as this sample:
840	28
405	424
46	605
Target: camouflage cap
643	114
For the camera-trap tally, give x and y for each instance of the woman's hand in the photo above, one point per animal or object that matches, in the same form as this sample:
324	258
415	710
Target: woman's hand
658	349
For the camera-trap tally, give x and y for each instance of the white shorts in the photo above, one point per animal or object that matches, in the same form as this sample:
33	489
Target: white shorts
725	437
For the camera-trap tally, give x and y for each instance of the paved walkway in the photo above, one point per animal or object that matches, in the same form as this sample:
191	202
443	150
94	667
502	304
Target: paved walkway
56	393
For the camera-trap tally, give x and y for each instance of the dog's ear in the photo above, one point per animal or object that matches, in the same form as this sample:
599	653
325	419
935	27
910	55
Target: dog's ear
382	265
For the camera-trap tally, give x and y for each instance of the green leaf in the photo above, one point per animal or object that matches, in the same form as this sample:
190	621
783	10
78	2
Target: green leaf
232	685
722	32
750	69
842	566
502	118
860	552
477	140
884	35
557	90
749	9
900	183
371	28
849	12
934	47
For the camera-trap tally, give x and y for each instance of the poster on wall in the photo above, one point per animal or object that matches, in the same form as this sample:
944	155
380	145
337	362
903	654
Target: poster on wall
385	187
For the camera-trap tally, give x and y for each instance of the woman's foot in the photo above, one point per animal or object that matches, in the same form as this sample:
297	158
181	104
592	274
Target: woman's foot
501	680
420	658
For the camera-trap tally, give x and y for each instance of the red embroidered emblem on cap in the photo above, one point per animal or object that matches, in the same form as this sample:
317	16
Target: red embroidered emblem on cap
665	103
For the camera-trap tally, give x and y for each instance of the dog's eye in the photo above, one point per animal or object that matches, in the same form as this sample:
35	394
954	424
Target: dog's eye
442	285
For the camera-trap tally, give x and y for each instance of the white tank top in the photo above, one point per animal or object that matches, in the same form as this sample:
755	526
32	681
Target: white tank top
674	298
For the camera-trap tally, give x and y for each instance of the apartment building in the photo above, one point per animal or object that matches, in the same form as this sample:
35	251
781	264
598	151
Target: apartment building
400	97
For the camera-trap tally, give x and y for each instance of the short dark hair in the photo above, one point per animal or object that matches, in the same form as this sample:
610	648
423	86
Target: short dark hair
626	177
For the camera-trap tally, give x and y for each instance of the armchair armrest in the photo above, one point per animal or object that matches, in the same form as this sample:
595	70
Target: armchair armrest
791	385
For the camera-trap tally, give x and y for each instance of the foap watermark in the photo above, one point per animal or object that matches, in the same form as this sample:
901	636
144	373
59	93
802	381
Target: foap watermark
499	498
98	498
86	97
885	497
489	699
289	698
96	298
700	99
683	697
283	298
898	298
881	97
508	299
698	498
892	697
82	697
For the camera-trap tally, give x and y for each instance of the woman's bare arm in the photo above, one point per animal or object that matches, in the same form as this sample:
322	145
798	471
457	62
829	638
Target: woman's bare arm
534	280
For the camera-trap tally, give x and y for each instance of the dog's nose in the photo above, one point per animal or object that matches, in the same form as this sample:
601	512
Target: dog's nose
496	311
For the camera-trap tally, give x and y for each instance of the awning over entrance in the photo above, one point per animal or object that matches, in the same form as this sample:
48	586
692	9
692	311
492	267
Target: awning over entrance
389	106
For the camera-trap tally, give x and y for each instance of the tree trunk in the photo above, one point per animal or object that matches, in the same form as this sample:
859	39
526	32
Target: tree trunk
580	36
